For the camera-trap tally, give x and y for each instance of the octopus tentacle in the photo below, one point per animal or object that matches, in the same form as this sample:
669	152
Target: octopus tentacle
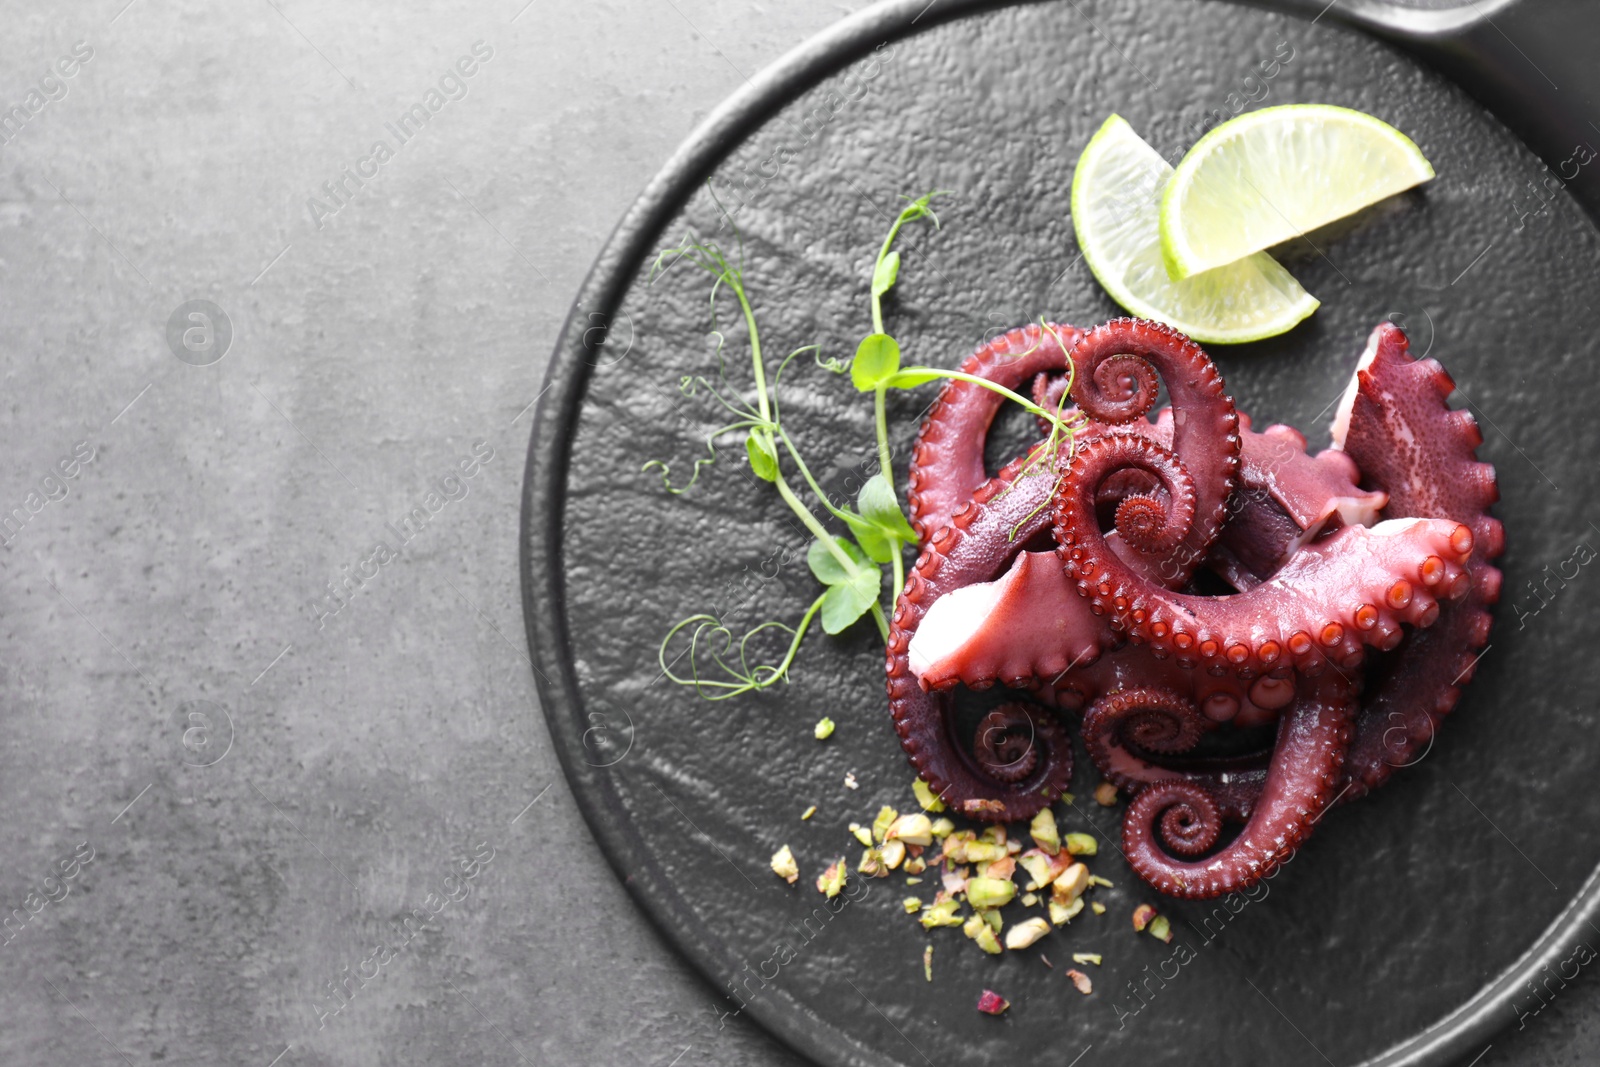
947	459
1395	398
1003	745
1115	367
1180	818
980	542
1329	600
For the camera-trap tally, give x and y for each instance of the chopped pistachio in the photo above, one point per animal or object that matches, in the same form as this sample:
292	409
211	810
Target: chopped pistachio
872	864
1161	928
1030	899
914	829
983	852
824	729
1087	957
993	918
927	963
1004	868
1081	980
784	866
913	881
983	934
1062	913
994	834
1039	870
1068	799
1082	844
990	892
912	905
1045	833
1013	847
804	815
940	913
1095	879
1070	885
925	797
992	1003
886	815
915	865
894	853
1142	916
850	780
830	881
861	834
943	828
1105	794
955	846
1099	908
1026	933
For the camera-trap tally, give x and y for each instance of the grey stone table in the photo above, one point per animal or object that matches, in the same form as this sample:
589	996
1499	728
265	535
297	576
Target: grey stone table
280	280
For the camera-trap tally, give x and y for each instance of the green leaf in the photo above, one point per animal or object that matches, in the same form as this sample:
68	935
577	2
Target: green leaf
884	275
878	506
843	604
826	566
879	547
877	357
912	377
763	455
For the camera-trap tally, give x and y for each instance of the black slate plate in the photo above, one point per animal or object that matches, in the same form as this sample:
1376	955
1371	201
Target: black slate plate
1406	931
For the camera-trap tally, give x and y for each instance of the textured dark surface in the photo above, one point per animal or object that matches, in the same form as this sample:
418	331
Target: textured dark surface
1405	905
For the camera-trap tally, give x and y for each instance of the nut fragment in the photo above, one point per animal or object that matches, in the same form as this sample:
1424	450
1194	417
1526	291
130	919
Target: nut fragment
1081	980
1105	794
1161	928
1026	933
927	963
1070	885
990	892
872	864
943	828
1042	867
784	866
880	825
1045	832
1099	908
940	913
914	829
1143	915
824	729
925	797
1087	957
861	833
1082	844
912	905
832	880
992	1003
1003	868
1064	913
804	815
915	865
893	852
981	931
850	780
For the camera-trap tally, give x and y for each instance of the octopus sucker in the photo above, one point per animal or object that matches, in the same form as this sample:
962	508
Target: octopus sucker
1248	631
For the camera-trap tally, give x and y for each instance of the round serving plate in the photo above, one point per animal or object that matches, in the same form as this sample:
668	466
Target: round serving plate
1406	931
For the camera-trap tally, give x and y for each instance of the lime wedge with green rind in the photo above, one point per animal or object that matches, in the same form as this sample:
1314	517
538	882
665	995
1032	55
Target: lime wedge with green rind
1116	203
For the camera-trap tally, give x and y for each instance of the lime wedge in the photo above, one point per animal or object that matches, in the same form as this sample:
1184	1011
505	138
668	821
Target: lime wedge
1273	174
1116	207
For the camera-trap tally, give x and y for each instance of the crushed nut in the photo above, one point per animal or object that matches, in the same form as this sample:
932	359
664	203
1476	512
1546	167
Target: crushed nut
804	815
940	913
861	833
943	828
1142	917
1065	913
886	815
915	829
850	780
912	905
872	864
1003	868
1070	885
915	864
927	963
1045	832
1026	933
830	881
1095	879
1082	844
990	892
1087	957
1081	980
1030	899
992	1003
1161	928
1042	867
1099	908
894	853
1105	794
913	881
983	933
824	729
925	798
784	866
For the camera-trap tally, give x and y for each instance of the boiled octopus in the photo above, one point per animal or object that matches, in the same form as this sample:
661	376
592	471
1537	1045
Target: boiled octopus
1247	633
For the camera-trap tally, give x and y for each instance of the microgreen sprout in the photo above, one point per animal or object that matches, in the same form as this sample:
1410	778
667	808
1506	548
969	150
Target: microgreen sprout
848	566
